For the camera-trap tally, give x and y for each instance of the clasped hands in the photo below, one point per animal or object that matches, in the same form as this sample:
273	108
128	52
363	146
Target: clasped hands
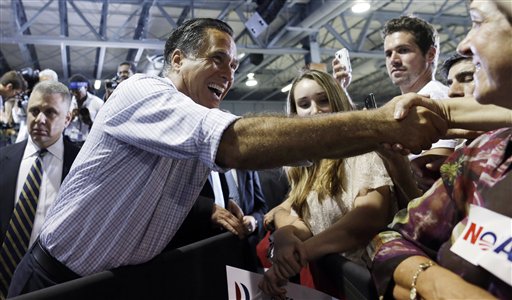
421	122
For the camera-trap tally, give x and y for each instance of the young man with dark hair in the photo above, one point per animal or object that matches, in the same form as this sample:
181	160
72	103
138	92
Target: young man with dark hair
411	46
125	70
458	71
11	83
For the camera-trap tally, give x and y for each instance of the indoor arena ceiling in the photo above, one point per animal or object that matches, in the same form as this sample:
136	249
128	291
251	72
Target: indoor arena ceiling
93	36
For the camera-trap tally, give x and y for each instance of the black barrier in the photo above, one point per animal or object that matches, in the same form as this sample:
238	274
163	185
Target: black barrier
354	280
195	271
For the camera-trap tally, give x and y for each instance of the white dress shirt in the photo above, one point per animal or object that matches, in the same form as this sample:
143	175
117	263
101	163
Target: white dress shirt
217	188
53	162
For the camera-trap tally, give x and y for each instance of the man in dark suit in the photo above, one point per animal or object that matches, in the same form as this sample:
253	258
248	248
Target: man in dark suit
245	190
48	116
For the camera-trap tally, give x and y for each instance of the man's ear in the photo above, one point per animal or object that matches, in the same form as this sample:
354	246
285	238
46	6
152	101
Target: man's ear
177	57
67	119
431	54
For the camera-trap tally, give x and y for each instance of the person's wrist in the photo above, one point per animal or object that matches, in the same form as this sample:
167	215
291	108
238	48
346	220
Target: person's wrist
413	294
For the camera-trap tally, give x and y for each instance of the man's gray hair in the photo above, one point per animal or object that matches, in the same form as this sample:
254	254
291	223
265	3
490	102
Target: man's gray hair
49	87
49	73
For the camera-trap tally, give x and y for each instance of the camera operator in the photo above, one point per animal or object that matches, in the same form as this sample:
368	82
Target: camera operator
12	84
124	71
84	107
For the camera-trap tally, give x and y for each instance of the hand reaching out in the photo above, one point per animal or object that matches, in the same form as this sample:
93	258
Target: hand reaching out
250	224
225	219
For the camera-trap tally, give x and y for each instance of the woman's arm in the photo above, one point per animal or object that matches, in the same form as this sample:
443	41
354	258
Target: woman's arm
280	215
289	252
435	282
356	228
465	113
399	169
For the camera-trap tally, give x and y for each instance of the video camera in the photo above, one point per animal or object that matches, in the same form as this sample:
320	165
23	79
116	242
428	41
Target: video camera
111	84
31	76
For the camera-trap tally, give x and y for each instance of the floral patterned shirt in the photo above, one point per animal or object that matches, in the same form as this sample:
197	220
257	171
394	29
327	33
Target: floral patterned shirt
478	174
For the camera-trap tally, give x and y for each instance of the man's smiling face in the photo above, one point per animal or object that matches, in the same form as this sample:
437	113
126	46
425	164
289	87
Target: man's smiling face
208	77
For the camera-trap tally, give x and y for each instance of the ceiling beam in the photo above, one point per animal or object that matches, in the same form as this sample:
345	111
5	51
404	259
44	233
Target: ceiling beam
100	51
141	30
4	65
64	49
34	17
28	51
166	15
84	19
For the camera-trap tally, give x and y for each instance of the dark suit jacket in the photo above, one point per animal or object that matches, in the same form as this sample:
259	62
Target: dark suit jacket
275	186
252	199
10	160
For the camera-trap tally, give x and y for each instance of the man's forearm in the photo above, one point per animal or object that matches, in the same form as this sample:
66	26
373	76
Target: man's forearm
467	113
266	142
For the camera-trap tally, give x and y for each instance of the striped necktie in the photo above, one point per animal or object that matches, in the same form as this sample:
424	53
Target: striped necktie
17	236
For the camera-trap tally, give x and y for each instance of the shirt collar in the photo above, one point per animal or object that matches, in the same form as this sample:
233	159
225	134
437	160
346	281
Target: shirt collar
57	149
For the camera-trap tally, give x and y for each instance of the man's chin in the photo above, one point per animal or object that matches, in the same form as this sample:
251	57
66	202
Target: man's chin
211	103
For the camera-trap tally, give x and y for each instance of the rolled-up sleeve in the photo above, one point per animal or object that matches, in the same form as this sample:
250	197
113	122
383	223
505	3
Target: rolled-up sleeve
165	122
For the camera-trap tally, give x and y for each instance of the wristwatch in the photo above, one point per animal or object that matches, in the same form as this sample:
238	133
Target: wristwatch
413	295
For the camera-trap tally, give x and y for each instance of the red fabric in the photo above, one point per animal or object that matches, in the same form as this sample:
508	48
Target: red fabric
262	250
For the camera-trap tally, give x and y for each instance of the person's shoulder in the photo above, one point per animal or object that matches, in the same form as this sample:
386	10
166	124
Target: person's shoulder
69	146
94	99
435	87
13	148
143	76
146	81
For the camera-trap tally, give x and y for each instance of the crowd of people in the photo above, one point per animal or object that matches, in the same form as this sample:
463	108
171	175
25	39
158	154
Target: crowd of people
177	169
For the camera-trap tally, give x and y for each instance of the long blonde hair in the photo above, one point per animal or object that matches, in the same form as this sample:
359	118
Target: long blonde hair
323	176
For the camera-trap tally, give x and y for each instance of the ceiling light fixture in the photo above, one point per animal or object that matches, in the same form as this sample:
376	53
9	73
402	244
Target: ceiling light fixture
360	7
286	88
251	81
97	84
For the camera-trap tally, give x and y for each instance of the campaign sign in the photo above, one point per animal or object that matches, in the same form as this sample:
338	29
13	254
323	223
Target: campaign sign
487	242
243	285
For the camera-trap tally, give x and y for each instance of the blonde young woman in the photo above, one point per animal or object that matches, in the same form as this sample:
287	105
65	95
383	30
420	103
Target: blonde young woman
340	204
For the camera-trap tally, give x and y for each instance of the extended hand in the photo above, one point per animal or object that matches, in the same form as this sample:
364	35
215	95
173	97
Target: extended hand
224	218
250	223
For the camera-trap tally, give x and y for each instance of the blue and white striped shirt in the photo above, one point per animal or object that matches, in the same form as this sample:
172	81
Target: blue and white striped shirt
144	163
